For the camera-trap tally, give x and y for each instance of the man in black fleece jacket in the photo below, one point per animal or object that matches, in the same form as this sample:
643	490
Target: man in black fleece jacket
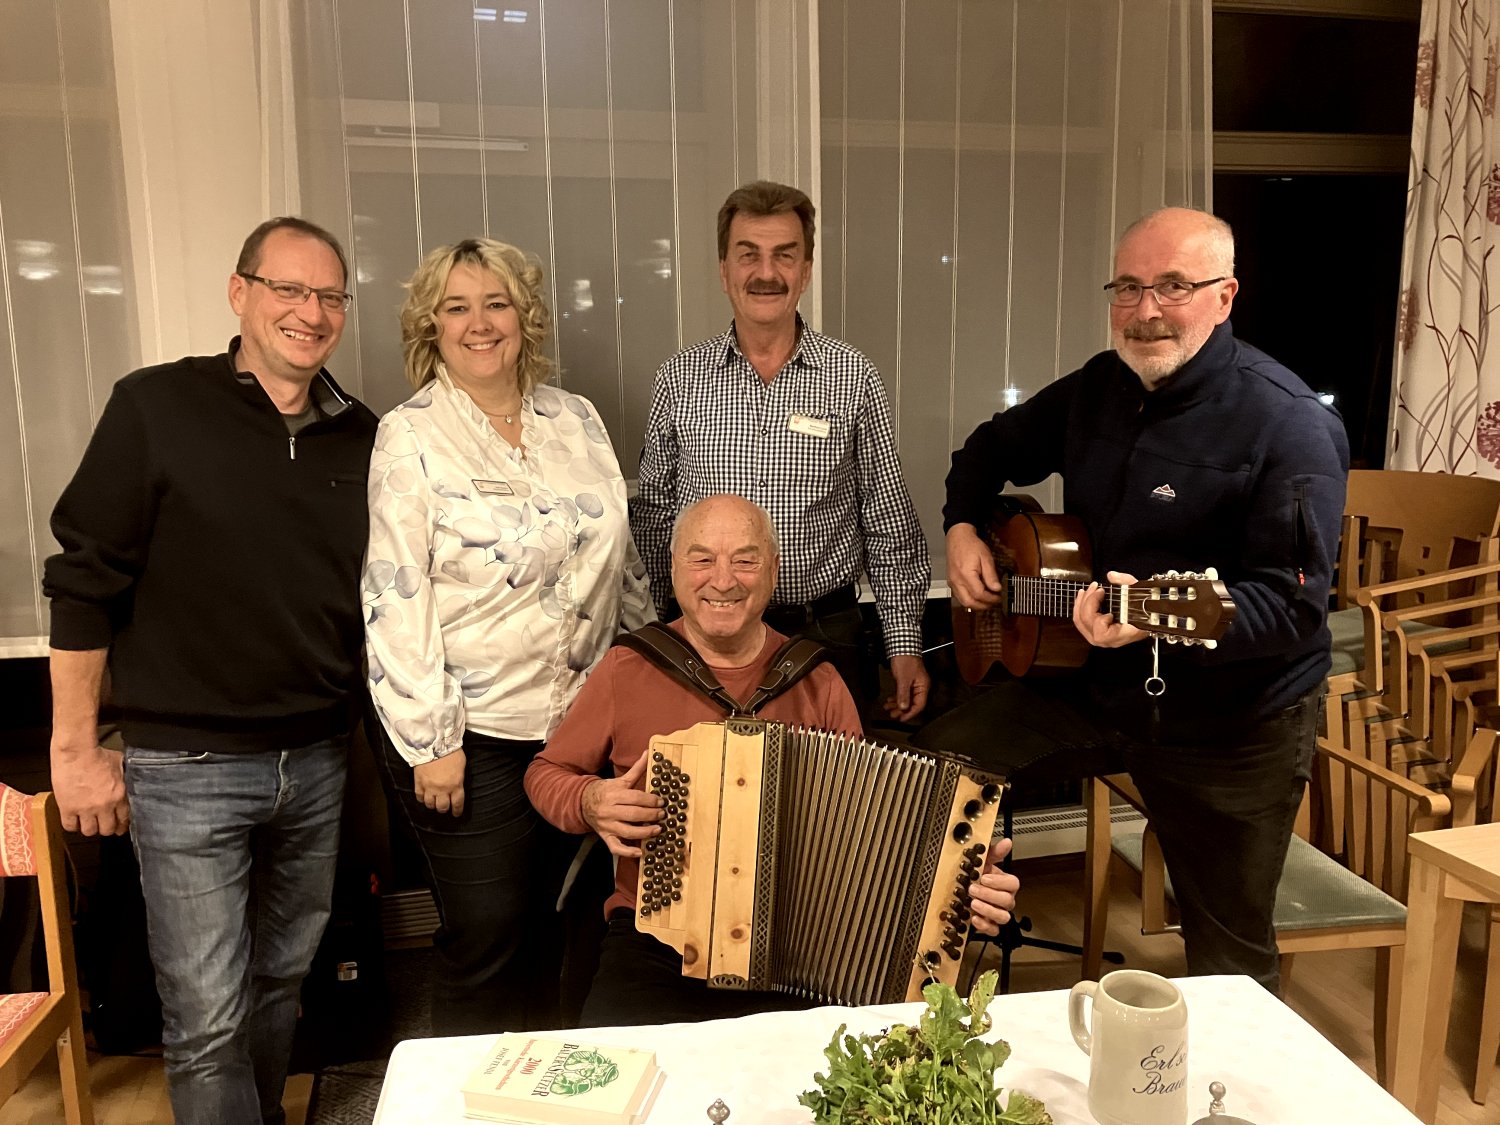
1181	449
211	543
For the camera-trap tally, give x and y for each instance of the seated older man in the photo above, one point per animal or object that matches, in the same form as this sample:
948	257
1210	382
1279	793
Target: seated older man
725	559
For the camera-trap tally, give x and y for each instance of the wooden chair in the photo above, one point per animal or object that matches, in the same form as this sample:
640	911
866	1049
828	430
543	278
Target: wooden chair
33	1023
1352	902
1408	524
1402	531
1475	785
1437	659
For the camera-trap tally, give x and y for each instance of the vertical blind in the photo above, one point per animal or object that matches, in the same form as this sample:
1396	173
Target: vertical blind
599	135
66	315
972	161
979	159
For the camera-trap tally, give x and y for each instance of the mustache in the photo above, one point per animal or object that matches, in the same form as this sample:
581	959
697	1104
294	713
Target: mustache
1151	330
765	289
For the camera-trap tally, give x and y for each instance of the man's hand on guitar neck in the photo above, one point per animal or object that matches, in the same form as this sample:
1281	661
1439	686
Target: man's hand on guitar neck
1099	628
972	578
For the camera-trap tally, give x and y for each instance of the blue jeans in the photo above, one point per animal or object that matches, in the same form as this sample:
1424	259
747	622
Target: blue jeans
237	856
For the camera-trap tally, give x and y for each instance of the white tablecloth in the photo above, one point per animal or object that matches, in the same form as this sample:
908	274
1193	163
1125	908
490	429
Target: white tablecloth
1279	1070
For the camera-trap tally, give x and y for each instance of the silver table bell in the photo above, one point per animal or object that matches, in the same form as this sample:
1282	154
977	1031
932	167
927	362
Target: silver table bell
1216	1114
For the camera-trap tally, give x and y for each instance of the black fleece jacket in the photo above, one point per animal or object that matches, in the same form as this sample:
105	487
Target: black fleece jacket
217	558
1232	463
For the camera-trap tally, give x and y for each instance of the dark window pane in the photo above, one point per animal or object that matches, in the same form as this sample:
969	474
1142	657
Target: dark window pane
1335	241
1313	74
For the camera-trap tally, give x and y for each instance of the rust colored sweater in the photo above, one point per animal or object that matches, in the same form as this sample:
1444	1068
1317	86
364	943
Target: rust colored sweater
627	699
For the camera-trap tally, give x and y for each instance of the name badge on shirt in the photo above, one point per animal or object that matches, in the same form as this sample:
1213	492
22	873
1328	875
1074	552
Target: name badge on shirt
494	488
812	427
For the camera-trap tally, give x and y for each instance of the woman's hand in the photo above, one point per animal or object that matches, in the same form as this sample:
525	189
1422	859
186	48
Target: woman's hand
440	783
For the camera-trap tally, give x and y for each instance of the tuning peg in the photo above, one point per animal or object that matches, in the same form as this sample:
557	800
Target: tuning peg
1211	573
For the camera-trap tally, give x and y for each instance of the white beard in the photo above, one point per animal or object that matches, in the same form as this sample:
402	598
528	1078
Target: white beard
1159	365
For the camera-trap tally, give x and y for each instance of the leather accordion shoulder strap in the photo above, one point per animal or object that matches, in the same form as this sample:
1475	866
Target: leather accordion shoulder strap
678	659
792	661
673	655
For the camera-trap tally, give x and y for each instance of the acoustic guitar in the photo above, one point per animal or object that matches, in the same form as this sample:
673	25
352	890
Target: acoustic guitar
1043	561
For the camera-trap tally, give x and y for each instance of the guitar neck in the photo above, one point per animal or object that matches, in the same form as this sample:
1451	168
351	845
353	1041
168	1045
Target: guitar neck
1053	597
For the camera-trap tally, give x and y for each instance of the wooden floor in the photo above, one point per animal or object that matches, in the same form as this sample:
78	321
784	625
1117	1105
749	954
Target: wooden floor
1332	991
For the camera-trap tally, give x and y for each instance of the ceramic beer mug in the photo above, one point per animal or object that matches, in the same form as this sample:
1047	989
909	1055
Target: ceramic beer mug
1136	1040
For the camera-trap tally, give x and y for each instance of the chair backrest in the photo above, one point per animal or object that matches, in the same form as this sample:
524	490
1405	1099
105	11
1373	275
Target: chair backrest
17	834
1400	524
31	844
1377	810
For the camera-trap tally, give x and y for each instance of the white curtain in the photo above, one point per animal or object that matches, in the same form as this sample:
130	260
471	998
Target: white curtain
979	159
599	135
140	141
67	314
972	160
1446	390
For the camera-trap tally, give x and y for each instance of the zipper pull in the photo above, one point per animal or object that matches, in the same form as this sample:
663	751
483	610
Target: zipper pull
291	444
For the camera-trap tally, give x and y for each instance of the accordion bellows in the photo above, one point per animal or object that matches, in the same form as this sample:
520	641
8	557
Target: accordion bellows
812	863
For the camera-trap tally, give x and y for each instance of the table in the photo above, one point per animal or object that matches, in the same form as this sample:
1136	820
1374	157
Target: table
1278	1069
1449	867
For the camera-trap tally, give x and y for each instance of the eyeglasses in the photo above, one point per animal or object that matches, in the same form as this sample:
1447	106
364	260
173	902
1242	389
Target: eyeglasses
1127	294
294	293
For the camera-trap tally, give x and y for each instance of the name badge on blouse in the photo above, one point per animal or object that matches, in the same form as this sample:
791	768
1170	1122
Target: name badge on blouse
494	488
812	427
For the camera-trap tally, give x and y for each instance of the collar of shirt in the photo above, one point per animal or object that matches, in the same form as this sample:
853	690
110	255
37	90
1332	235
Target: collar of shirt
467	407
323	392
1199	377
809	351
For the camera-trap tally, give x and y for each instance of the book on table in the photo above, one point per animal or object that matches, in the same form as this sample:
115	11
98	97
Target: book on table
528	1080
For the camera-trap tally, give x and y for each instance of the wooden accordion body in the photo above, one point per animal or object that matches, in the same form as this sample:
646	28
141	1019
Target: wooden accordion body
812	863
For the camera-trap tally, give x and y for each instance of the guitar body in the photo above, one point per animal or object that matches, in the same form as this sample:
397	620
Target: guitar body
1027	541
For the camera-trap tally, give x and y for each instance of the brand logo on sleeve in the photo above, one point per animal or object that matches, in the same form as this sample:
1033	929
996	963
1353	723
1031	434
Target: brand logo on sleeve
1163	493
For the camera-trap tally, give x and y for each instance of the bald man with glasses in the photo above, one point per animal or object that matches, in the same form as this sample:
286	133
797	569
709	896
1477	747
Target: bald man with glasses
1181	448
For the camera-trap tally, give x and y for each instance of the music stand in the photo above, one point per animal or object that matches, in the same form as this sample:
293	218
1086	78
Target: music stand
1027	733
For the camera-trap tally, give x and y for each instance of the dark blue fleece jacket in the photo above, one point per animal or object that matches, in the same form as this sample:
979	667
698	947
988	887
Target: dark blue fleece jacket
1232	463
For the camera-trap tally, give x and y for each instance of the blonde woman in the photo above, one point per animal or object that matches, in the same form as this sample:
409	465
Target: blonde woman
500	568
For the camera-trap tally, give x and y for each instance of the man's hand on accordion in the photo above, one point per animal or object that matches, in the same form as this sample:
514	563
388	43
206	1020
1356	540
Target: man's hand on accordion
621	811
993	894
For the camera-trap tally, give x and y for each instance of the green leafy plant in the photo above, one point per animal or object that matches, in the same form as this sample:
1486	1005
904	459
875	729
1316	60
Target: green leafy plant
939	1072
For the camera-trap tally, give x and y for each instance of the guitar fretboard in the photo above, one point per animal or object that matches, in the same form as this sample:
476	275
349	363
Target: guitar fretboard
1053	597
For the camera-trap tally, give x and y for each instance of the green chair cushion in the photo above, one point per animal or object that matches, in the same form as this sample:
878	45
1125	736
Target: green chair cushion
1348	629
1315	892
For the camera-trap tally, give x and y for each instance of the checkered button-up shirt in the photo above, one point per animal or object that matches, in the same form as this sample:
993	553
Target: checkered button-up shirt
839	501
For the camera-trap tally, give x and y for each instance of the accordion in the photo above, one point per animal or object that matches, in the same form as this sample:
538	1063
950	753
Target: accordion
811	863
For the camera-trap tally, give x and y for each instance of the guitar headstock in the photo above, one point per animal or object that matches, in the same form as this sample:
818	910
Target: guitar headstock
1181	607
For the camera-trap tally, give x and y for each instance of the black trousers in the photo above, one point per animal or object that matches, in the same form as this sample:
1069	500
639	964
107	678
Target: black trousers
852	649
495	872
1223	810
640	981
1223	806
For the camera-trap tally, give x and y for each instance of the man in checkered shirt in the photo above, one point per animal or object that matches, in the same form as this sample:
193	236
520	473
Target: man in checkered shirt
799	423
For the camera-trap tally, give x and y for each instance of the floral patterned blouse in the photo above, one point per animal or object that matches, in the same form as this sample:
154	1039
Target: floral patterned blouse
493	582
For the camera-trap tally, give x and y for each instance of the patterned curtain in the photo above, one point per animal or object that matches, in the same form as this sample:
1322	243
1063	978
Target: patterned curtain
1446	393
